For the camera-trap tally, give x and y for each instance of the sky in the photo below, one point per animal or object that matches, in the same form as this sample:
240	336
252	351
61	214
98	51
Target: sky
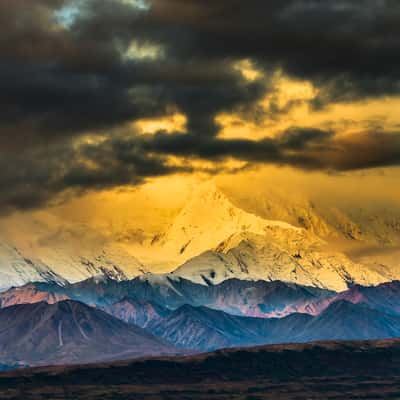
105	96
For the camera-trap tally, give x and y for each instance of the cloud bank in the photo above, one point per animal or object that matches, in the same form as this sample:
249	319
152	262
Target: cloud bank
74	69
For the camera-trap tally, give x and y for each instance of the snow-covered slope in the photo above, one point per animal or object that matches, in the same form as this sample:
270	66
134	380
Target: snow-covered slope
255	257
40	247
356	219
17	269
209	218
227	242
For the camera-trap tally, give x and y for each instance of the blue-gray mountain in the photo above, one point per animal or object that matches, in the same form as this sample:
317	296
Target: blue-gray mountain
71	332
246	298
200	317
204	329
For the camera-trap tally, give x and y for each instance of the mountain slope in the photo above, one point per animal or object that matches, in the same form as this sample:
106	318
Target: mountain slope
289	259
384	297
263	299
203	329
17	269
137	312
32	293
146	294
41	247
345	320
70	332
172	291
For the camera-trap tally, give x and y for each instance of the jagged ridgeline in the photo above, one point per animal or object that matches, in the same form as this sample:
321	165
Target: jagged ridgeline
208	241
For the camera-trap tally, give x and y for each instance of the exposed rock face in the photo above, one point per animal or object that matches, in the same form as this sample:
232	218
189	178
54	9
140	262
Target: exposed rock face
137	312
32	293
384	297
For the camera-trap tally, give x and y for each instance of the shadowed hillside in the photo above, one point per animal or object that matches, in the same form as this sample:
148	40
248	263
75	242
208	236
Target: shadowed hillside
70	332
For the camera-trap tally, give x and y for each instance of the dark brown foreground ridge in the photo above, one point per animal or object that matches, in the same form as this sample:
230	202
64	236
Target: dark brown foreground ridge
321	370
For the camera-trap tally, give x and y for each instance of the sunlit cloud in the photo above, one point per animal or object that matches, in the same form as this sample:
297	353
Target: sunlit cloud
248	70
143	51
142	4
66	15
170	124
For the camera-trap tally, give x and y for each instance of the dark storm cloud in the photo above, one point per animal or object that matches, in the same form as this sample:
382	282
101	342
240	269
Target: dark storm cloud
304	148
64	71
353	44
66	80
35	177
58	81
299	138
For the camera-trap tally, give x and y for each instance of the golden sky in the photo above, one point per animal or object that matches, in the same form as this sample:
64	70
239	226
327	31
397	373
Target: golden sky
114	101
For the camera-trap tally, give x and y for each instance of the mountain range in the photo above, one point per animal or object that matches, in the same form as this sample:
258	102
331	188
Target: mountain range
183	315
73	294
209	240
70	332
161	293
205	329
238	297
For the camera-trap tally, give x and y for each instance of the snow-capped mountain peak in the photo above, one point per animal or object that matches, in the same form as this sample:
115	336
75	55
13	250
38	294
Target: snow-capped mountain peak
208	219
215	241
